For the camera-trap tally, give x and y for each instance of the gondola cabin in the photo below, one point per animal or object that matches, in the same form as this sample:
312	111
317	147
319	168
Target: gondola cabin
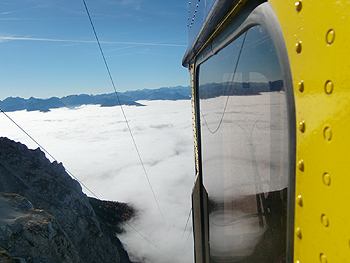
271	97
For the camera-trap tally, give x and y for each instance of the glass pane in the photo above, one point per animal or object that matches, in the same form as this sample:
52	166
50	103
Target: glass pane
244	150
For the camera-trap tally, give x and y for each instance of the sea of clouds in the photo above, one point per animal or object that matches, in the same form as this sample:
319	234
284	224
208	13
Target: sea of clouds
95	145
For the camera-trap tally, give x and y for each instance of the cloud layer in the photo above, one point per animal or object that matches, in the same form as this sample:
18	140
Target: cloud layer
95	145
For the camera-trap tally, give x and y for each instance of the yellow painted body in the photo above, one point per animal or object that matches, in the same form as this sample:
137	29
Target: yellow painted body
317	37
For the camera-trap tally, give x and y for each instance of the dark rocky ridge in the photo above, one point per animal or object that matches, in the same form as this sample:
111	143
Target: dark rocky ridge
45	216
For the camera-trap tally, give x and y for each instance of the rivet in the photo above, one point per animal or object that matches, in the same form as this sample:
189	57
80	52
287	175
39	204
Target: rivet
298	232
324	220
302	126
326	179
298	6
301	165
330	36
301	86
300	200
298	47
323	258
328	87
327	132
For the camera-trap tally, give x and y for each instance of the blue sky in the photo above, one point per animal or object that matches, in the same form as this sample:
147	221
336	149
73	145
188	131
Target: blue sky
47	47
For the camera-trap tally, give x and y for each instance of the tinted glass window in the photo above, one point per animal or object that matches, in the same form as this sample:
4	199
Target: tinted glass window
244	150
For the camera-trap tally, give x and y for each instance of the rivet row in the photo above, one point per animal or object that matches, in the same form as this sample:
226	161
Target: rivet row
327	131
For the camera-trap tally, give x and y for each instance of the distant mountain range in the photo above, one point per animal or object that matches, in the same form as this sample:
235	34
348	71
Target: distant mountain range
105	100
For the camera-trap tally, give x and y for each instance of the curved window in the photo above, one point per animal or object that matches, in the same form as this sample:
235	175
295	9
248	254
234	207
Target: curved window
244	147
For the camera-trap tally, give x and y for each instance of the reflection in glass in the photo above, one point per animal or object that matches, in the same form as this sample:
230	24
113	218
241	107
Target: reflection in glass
244	150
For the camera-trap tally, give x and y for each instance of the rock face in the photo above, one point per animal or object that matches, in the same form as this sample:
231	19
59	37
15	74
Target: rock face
45	216
35	233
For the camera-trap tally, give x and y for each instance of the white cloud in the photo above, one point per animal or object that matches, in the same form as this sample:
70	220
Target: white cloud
95	145
8	38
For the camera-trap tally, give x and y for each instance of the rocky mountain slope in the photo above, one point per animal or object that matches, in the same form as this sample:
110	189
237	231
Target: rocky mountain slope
45	216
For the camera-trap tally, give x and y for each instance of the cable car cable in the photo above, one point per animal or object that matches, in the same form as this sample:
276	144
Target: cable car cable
188	237
231	85
188	218
122	109
145	237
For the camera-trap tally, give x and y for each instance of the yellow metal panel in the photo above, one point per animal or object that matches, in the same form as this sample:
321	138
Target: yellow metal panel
317	36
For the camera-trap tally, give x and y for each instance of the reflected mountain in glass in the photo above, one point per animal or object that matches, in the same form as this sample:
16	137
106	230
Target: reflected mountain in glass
213	90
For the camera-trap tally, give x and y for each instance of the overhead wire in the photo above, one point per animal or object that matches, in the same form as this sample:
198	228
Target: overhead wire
188	237
145	237
188	218
189	232
123	112
231	85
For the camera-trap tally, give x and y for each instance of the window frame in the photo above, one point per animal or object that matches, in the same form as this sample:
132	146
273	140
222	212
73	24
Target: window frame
251	15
